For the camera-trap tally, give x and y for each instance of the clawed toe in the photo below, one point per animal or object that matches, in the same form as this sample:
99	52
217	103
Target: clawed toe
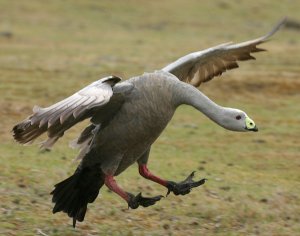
139	200
185	186
180	188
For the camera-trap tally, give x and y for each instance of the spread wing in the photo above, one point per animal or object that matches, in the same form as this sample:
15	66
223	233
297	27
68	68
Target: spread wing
202	66
56	119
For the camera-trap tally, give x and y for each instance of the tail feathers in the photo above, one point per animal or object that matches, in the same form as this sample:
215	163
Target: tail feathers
74	193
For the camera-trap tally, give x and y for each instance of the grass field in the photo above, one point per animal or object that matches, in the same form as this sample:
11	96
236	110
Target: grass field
49	49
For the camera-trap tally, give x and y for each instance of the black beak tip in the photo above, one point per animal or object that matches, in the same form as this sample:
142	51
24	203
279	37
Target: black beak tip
255	129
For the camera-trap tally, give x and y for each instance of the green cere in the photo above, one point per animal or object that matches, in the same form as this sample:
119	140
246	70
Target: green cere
250	125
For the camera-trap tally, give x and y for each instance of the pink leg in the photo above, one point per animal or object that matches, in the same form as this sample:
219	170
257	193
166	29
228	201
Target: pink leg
112	185
181	188
148	175
133	201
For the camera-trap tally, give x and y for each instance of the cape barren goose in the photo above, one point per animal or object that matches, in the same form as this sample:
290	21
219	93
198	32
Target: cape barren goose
127	117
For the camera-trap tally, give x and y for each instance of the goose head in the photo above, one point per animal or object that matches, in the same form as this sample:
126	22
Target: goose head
237	120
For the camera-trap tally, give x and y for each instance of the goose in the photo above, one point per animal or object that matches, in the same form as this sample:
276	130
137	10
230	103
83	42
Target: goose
125	120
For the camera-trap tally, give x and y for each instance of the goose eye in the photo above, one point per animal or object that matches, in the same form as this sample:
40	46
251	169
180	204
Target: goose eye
238	117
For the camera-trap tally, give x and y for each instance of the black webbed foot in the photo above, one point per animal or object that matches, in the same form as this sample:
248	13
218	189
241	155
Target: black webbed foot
185	186
139	200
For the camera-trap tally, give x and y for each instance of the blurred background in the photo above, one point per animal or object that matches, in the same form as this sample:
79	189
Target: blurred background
50	49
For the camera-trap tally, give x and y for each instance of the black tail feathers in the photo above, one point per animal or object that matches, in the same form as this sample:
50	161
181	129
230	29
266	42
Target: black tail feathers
74	193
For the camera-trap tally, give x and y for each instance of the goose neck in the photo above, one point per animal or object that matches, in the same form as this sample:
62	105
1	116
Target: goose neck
189	95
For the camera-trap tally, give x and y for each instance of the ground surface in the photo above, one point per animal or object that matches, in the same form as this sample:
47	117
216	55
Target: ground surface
50	49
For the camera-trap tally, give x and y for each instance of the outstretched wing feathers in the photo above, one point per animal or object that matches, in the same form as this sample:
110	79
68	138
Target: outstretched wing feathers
200	67
57	118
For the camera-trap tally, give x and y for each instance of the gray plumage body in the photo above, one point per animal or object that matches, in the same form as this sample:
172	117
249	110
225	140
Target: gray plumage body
146	110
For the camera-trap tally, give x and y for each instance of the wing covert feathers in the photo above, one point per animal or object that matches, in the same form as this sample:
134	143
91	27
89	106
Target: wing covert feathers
56	119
